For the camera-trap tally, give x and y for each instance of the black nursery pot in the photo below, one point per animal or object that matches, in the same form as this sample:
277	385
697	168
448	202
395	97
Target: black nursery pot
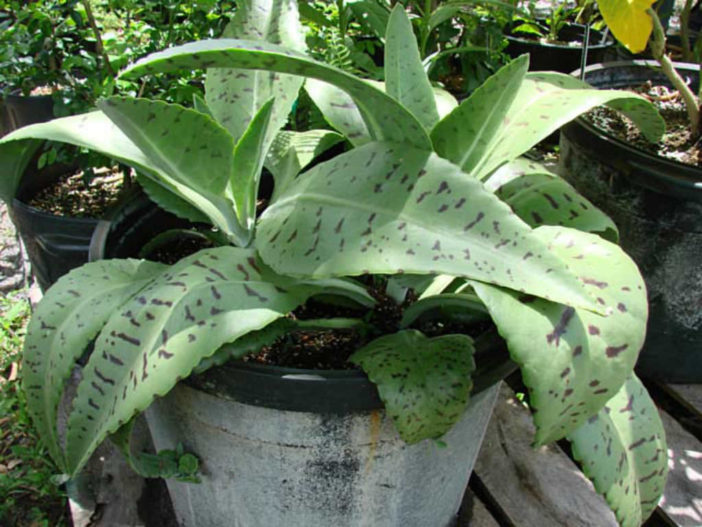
55	244
561	57
21	110
657	205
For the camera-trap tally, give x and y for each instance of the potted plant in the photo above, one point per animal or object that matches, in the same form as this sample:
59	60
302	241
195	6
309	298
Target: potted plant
651	190
420	202
556	42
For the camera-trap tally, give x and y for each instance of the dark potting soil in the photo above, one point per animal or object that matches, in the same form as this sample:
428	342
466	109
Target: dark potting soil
677	144
75	196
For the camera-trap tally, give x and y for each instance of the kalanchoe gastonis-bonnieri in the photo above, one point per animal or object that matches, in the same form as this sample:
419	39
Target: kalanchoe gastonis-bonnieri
434	196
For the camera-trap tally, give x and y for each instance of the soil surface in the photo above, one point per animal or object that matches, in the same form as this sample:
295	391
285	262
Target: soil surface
78	196
677	144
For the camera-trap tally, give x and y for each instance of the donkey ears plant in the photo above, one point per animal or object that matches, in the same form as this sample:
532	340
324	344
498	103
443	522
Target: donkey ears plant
429	197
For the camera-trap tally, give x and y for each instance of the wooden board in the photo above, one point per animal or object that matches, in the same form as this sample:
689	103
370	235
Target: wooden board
682	499
535	487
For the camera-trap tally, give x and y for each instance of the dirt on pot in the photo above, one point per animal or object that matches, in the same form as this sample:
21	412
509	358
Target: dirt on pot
79	196
677	144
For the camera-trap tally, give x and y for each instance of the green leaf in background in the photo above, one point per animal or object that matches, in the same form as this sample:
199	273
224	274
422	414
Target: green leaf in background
293	151
385	118
572	360
424	382
405	78
371	15
386	209
541	197
233	95
65	321
468	133
167	198
622	449
156	338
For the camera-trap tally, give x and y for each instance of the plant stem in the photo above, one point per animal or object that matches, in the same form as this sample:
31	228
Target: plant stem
98	38
657	45
685	30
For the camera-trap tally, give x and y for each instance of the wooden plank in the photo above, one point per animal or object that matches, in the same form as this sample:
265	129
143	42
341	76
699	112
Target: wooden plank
688	394
535	487
682	499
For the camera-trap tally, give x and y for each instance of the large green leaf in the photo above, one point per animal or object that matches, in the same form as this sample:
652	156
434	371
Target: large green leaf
384	208
540	197
233	95
623	450
546	102
572	360
156	338
468	132
405	78
385	118
293	151
423	382
65	321
97	132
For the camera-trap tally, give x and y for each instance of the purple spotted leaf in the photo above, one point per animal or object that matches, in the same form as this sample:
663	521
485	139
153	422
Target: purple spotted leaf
385	118
157	337
467	134
339	110
541	197
424	382
405	78
97	132
234	95
622	449
543	105
387	209
572	360
293	151
65	321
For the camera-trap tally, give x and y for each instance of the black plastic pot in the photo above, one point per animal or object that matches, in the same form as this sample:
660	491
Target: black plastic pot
561	57
21	110
657	205
55	244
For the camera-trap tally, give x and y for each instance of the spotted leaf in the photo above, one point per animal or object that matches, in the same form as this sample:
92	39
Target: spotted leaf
384	208
293	151
97	132
424	382
156	338
385	118
234	95
405	78
544	103
68	317
339	110
572	360
622	449
541	197
466	134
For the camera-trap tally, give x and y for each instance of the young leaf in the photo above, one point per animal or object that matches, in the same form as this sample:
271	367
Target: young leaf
424	382
168	199
466	134
234	96
293	151
339	110
156	338
573	361
65	321
405	78
385	118
376	209
540	197
622	449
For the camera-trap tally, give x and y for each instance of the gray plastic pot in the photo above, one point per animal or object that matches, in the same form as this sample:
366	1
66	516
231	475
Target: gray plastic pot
657	206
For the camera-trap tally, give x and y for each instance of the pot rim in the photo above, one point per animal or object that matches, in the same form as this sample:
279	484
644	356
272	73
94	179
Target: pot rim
609	41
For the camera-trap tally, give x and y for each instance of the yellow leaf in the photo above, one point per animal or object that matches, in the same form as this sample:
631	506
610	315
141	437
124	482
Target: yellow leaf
628	21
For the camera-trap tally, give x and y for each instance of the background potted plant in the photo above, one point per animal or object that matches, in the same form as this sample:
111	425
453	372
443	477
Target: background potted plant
651	190
418	203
